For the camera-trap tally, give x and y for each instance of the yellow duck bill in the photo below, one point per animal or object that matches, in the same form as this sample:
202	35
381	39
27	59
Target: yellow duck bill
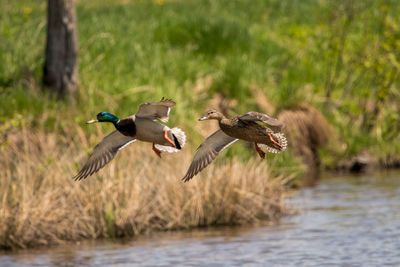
92	121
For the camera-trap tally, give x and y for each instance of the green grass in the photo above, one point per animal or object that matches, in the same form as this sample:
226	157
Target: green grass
339	56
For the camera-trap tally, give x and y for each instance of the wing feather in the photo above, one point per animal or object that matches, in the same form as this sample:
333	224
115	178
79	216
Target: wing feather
207	152
156	110
103	153
275	125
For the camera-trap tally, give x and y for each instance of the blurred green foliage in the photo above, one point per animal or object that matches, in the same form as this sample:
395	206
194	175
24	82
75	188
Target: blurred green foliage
341	56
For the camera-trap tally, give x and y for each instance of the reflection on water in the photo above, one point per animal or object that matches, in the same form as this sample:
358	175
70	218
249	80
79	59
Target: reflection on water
349	221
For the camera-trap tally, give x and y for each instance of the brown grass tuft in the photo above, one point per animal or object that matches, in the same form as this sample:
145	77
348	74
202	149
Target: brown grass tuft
307	130
40	204
262	101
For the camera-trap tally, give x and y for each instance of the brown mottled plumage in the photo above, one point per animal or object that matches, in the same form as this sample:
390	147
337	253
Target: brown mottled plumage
243	127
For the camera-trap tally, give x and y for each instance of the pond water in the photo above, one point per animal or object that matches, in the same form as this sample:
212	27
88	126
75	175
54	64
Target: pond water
346	221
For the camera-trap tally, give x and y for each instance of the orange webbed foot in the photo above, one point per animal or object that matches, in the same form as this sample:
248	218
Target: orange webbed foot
260	152
273	141
158	152
167	138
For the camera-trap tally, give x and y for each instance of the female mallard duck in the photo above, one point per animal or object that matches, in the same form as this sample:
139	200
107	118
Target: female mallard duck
244	127
141	126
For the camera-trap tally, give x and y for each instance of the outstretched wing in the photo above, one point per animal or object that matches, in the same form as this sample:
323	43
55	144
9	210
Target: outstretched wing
207	152
156	110
103	153
274	124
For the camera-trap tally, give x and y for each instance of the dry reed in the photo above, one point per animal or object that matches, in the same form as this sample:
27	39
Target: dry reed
42	205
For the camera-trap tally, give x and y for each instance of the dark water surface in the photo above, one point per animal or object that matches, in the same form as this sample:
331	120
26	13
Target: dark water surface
344	221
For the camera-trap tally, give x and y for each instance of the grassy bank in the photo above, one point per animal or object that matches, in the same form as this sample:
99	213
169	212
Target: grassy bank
339	56
41	205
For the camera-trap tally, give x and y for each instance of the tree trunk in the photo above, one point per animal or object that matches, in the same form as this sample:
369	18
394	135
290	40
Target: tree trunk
60	67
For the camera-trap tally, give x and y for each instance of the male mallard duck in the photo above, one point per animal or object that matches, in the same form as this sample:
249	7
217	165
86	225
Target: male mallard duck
141	126
244	127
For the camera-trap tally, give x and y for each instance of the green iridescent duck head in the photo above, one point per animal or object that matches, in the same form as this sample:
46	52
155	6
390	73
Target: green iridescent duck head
105	117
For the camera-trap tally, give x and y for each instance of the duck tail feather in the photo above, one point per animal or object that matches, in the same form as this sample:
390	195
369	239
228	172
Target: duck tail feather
281	140
179	138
